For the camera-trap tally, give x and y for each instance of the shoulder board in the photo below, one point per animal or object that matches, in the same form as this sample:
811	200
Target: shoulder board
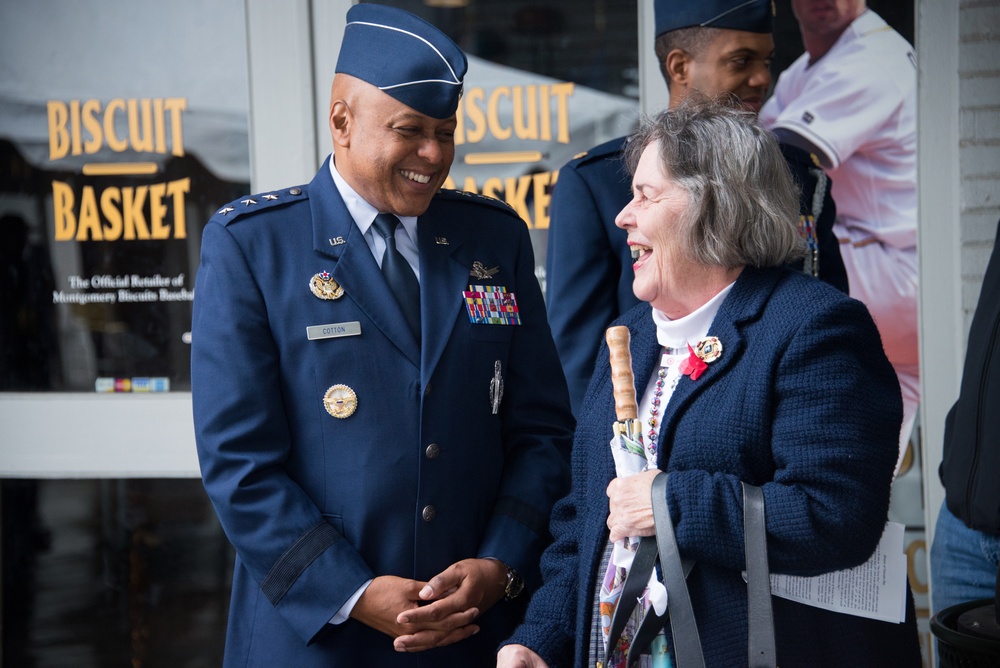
464	196
602	151
246	206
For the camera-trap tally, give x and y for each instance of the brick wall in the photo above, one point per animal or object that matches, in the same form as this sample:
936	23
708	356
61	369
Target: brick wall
979	132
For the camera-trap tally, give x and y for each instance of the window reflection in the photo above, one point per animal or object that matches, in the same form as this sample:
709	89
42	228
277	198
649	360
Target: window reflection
112	573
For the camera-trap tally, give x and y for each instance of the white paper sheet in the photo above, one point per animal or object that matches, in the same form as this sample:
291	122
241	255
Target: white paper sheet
876	589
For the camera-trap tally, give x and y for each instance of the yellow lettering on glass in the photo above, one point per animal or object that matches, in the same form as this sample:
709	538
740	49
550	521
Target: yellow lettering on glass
122	212
524	112
151	126
514	191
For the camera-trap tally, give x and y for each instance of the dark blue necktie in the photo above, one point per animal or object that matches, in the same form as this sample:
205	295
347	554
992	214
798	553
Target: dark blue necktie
398	273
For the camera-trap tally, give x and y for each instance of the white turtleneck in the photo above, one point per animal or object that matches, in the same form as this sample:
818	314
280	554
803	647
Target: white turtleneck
675	336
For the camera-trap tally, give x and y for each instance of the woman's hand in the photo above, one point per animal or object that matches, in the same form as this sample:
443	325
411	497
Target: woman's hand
631	505
519	656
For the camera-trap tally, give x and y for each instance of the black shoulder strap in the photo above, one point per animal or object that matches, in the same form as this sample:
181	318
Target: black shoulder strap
687	650
632	588
759	615
683	627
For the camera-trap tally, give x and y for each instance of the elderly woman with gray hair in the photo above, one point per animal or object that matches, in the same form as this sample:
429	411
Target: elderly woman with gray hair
792	394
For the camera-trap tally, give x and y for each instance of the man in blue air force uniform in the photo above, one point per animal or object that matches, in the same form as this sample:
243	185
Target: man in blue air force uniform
713	48
381	418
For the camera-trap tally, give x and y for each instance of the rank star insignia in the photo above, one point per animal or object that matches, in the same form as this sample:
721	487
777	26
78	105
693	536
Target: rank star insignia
270	198
226	210
248	201
323	286
480	271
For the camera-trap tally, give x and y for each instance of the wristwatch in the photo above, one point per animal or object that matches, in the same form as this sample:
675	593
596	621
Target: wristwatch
515	585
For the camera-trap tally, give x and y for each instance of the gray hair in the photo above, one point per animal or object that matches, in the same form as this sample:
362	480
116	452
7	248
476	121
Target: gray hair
743	206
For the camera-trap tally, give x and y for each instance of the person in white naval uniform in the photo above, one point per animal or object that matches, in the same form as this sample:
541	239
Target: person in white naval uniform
851	100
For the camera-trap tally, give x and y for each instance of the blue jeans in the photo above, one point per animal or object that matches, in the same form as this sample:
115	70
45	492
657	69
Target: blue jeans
963	563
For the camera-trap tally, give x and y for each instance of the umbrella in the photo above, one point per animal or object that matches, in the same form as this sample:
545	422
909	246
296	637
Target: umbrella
630	457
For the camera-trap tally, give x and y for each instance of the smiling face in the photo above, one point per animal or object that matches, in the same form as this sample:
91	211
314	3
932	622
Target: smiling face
394	157
735	63
656	226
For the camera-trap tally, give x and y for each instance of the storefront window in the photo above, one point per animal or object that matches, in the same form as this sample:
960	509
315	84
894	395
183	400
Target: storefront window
122	128
546	81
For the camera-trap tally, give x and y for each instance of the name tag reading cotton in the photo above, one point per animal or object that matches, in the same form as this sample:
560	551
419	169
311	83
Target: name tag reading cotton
334	330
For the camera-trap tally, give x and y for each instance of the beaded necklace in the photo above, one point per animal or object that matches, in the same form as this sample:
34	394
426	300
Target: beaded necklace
668	367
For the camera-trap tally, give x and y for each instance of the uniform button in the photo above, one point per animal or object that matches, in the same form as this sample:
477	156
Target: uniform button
428	513
432	451
295	191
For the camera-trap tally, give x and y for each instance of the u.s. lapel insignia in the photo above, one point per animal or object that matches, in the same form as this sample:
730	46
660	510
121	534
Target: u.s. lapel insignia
323	286
480	271
441	241
496	388
340	401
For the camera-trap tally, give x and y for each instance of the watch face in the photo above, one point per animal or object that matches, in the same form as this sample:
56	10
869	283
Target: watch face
515	585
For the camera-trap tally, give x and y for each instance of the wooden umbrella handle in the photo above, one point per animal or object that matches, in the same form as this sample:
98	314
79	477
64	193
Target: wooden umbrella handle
621	373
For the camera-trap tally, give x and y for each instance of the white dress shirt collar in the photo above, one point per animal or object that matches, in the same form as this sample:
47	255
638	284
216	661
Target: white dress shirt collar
364	213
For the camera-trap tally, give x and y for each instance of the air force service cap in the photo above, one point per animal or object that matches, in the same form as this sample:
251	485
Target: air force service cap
403	56
746	15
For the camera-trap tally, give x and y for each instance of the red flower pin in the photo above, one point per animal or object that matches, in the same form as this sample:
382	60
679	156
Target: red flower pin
693	366
708	350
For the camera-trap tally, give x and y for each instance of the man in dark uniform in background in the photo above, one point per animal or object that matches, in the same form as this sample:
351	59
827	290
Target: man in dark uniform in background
381	419
712	48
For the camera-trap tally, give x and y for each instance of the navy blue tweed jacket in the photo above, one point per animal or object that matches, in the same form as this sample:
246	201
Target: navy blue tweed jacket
802	403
